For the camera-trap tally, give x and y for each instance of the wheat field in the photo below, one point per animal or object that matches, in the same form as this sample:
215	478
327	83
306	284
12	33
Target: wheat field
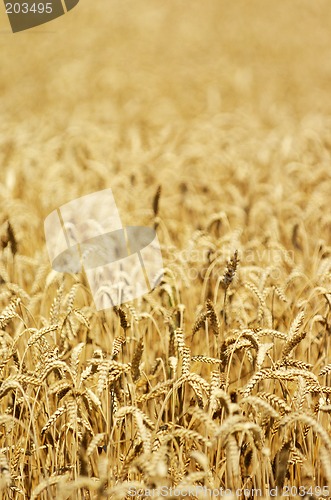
211	122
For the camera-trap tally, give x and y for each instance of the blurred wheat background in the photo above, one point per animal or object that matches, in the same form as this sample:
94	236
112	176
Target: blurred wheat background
219	378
